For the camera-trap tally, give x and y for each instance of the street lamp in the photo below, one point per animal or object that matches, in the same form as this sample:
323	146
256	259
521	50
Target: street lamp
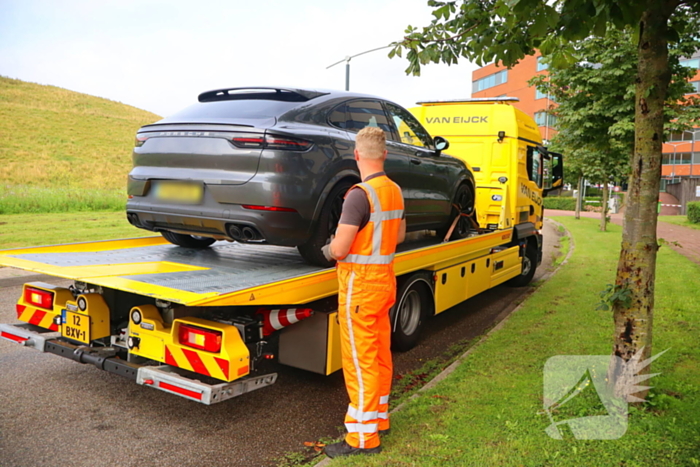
347	64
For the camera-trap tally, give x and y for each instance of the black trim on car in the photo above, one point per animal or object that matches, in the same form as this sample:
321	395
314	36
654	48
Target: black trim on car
264	93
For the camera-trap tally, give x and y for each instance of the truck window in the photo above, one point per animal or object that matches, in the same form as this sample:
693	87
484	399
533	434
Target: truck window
409	130
534	165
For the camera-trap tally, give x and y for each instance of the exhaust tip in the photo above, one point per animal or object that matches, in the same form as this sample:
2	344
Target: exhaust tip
235	232
249	234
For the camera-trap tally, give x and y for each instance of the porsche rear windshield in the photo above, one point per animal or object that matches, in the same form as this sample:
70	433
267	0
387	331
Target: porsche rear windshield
248	108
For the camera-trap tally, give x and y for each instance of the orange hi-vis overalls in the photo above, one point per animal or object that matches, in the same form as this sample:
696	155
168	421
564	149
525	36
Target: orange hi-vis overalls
367	291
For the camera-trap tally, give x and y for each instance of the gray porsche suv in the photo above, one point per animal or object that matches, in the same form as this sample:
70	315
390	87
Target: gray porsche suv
272	165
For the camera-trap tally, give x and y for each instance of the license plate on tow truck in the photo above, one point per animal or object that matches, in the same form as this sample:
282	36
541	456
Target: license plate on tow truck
179	192
75	326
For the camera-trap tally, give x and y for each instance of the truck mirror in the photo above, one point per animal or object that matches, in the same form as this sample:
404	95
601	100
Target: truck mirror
441	144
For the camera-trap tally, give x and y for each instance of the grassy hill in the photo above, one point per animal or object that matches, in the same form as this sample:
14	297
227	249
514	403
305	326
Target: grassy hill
62	150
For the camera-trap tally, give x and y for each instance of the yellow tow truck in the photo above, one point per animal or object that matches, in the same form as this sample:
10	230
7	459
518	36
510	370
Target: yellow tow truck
204	324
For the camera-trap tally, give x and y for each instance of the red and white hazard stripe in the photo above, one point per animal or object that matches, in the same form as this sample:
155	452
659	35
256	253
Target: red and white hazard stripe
274	320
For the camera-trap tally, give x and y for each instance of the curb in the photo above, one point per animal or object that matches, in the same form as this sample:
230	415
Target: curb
453	366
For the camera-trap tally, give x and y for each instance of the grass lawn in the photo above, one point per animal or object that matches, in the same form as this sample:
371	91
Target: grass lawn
489	411
679	220
20	230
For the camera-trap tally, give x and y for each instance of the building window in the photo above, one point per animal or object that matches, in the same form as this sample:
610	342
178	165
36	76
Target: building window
696	87
541	66
490	81
545	119
677	158
685	136
539	94
691	62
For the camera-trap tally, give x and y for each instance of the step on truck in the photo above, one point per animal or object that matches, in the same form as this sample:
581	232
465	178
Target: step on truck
209	325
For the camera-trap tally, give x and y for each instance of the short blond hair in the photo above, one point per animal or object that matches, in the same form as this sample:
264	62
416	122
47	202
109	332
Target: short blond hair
371	142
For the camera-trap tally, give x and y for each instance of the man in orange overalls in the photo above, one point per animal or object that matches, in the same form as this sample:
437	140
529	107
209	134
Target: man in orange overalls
372	223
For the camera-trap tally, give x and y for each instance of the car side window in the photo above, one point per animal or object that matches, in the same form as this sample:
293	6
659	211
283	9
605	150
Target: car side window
338	116
409	130
362	113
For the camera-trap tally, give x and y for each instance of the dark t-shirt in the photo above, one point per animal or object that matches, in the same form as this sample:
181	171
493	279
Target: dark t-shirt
356	208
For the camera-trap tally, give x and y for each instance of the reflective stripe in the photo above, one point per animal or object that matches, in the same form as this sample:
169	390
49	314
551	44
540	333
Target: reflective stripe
384	399
355	359
362	428
275	320
378	227
383	415
361	416
386	215
362	259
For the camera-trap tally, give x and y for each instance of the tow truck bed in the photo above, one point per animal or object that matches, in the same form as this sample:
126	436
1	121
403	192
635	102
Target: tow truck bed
226	274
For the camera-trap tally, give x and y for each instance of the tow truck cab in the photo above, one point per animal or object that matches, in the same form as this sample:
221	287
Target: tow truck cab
502	144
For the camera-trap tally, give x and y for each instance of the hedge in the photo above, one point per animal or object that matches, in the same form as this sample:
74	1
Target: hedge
694	212
567	203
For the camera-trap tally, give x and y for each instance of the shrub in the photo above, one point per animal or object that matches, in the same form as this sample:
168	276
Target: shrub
566	203
694	212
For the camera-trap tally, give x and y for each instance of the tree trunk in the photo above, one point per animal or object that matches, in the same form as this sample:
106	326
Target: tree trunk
604	206
636	268
579	198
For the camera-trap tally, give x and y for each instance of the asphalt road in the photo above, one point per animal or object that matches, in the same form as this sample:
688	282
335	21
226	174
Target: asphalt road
57	412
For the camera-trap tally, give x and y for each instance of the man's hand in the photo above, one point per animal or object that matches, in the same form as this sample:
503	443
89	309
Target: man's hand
326	249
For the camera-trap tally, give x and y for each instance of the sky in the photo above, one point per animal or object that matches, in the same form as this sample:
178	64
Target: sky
160	55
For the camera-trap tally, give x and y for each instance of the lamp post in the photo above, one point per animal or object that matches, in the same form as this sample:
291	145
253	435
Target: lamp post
347	64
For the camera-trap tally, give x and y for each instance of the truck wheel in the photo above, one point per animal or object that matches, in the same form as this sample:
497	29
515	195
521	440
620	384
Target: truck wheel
413	305
325	227
187	241
464	199
529	267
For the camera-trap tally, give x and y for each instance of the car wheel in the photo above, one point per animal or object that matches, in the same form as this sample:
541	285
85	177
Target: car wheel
410	311
187	241
529	267
463	204
325	227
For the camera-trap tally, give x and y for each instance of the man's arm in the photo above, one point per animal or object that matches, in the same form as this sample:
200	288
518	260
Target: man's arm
344	236
402	231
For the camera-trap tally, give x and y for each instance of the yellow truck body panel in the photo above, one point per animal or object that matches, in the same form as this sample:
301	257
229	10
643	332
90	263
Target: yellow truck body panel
500	144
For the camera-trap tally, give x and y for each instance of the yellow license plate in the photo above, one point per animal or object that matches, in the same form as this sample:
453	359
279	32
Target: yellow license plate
179	192
76	326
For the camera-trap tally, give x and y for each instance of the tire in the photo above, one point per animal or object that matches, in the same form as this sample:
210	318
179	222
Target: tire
325	226
529	266
187	241
464	199
413	305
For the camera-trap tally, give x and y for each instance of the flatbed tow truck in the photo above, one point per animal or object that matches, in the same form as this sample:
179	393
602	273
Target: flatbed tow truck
204	324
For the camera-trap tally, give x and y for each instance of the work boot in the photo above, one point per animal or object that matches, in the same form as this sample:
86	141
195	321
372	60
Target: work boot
344	449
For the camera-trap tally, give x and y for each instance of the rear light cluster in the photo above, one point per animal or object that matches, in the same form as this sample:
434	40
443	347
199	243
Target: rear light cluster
38	297
200	338
253	141
267	208
140	140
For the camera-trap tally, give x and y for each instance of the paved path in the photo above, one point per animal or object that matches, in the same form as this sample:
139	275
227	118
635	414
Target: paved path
687	238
